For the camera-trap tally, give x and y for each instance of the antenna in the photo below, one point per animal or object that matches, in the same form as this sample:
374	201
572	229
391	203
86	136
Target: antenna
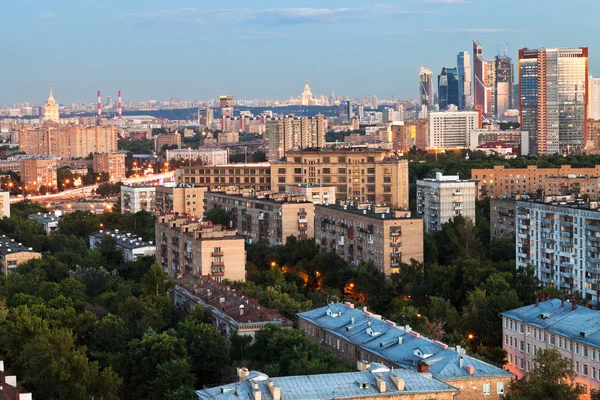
506	50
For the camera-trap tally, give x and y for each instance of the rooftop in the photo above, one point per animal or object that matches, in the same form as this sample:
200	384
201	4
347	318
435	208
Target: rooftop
202	150
276	198
400	345
371	211
349	385
124	240
9	246
441	178
240	165
563	318
46	218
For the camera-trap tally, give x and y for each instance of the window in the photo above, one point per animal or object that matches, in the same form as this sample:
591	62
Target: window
577	367
487	388
281	170
576	348
506	339
521	346
326	170
500	387
521	328
387	179
553	340
585	351
585	370
528	348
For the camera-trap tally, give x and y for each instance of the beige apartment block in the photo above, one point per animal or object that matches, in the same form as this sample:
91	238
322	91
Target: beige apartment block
228	137
255	176
272	217
4	204
316	194
182	199
361	175
13	254
369	233
291	132
185	245
38	171
113	164
173	139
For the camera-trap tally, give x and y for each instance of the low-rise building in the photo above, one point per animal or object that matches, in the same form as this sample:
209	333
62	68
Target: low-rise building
369	233
198	156
316	194
183	199
361	336
376	383
48	221
12	254
131	247
270	217
187	245
228	137
111	163
38	171
232	312
169	140
502	218
441	199
137	198
255	176
556	324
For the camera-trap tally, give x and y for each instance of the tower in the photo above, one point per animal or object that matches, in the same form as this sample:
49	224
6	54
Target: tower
503	85
465	90
448	88
99	107
119	107
51	108
307	96
425	87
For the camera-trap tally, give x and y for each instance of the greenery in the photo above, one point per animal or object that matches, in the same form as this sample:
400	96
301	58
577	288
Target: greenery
218	216
142	146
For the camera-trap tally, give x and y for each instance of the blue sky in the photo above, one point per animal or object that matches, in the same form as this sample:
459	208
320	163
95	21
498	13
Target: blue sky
200	49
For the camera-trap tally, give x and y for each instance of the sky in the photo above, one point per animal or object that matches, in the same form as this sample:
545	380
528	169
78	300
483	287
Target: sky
201	49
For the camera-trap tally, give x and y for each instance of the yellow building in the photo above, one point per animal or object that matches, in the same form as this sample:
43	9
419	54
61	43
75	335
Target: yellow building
173	139
182	199
37	172
113	164
290	132
51	109
4	204
67	141
12	254
255	176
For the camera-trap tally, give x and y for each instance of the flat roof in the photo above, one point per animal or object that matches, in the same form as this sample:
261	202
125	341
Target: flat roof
9	246
361	212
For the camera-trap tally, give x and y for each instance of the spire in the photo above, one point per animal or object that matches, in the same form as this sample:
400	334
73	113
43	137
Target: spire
51	96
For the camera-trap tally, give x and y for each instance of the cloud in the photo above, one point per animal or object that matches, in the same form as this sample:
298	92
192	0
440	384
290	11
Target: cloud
47	15
260	36
461	30
272	16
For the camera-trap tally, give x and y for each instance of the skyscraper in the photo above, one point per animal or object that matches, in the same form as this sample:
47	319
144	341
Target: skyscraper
553	98
425	87
594	99
226	103
503	85
51	109
307	97
345	111
448	88
483	87
465	91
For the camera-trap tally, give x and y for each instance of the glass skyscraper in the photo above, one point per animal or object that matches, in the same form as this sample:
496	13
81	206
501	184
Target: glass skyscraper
465	90
426	97
448	88
503	85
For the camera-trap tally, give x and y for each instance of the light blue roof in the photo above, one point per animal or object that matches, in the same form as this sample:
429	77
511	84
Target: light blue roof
328	386
581	324
382	338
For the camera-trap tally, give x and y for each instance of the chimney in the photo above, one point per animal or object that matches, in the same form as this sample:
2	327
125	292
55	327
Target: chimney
399	382
257	394
422	367
381	385
574	305
461	362
275	390
471	369
241	309
11	380
537	300
363	366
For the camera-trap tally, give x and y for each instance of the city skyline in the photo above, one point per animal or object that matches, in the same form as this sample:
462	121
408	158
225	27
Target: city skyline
154	50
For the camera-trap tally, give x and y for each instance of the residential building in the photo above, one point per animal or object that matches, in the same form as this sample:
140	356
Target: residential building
533	181
169	140
182	199
403	136
186	245
228	137
441	199
289	132
48	221
232	313
375	383
465	90
271	217
594	132
38	171
4	204
448	88
426	97
67	141
206	117
113	164
559	238
255	176
137	198
594	100
197	156
503	85
453	130
483	81
131	247
502	218
555	324
362	175
316	194
553	86
360	335
13	254
364	232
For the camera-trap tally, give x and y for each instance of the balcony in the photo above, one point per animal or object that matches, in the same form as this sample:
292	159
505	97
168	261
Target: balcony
394	234
216	254
397	254
217	264
396	244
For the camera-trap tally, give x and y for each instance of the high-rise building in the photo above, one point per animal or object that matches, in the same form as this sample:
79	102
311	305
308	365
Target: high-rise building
205	116
503	85
51	109
227	104
448	88
453	130
137	198
288	133
594	100
307	96
553	98
465	90
182	199
426	96
39	171
345	111
67	141
111	163
483	87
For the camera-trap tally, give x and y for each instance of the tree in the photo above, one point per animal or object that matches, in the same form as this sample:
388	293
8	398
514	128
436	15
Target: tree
156	282
552	378
171	376
218	216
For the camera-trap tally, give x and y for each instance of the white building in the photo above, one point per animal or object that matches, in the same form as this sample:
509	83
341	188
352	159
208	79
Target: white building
130	246
48	221
205	156
453	130
137	198
443	198
594	99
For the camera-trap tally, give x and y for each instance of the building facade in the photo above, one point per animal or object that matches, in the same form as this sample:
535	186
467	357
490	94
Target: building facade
361	175
181	199
169	140
13	254
185	245
553	85
48	221
4	204
256	176
453	130
51	109
113	164
38	171
228	137
272	218
426	96
483	87
465	89
206	117
502	218
198	156
137	198
448	88
503	85
594	100
441	199
316	194
369	233
290	132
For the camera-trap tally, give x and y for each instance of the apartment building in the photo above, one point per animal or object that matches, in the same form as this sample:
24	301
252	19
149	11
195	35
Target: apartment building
369	233
256	176
111	163
269	217
441	199
67	141
560	239
48	221
228	137
232	312
361	175
137	198
198	156
360	336
316	194
39	171
13	254
554	324
185	245
4	204
182	199
291	132
172	139
131	247
453	130
502	218
512	182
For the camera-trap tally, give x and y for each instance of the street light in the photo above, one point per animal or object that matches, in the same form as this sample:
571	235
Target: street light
472	336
